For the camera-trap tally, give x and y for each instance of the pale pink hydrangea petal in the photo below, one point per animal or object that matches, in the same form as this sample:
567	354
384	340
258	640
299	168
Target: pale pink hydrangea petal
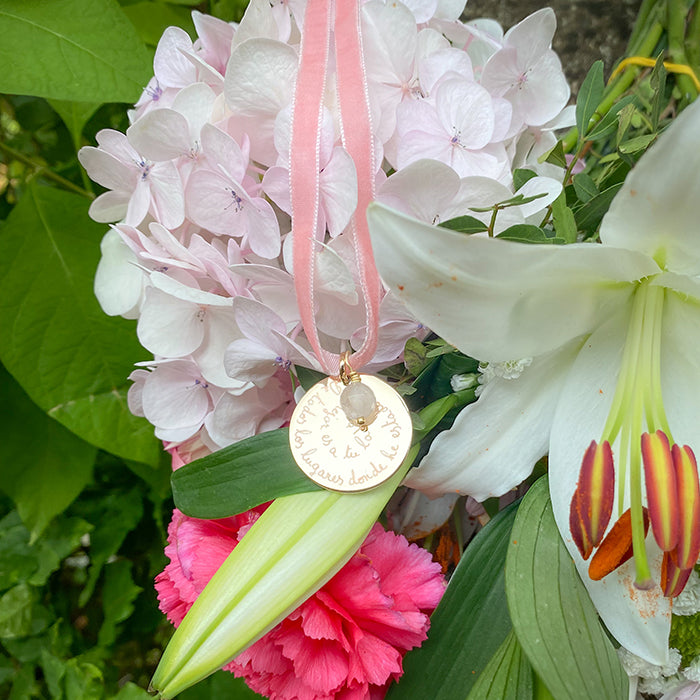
175	397
264	19
236	417
168	133
219	331
215	38
107	169
449	9
422	189
140	203
160	135
170	65
338	190
466	113
265	348
169	326
532	37
119	282
423	10
527	72
260	79
134	396
446	62
221	204
110	206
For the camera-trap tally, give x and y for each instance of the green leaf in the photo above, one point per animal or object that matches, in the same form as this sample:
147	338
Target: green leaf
68	356
555	156
54	669
507	676
62	538
18	558
115	515
657	81
431	415
229	10
552	614
527	233
83	680
308	377
627	113
75	115
464	224
219	485
638	143
131	691
82	50
414	356
589	96
609	123
219	686
43	466
589	216
151	19
585	187
468	626
16	612
24	685
521	176
445	349
563	219
118	595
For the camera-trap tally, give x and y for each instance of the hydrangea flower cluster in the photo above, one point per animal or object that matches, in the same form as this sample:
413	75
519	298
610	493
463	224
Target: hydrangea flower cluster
199	186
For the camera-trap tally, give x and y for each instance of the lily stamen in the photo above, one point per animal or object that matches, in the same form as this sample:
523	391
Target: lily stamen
672	503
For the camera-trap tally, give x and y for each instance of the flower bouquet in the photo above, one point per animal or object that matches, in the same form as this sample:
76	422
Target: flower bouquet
421	342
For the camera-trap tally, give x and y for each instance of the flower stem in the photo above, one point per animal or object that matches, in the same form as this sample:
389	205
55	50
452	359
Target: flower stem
675	20
619	85
43	171
692	39
650	11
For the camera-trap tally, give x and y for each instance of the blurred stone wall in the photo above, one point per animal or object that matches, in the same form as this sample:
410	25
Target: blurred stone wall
586	29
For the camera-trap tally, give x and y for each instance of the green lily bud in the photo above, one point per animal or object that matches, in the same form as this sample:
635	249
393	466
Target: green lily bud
298	544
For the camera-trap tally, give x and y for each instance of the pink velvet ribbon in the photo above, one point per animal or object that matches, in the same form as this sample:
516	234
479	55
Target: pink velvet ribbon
324	21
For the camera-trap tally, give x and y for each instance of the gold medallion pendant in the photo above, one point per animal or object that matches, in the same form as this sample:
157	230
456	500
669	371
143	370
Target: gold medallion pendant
350	433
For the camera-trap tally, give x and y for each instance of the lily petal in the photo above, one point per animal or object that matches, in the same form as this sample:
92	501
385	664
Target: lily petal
499	300
652	213
639	620
495	442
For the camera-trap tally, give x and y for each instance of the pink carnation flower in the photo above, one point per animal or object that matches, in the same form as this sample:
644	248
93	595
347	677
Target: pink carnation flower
346	642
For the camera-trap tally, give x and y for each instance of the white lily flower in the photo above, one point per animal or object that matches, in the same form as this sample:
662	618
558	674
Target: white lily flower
613	332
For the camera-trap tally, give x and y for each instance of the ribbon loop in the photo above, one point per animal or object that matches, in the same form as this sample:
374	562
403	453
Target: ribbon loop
326	20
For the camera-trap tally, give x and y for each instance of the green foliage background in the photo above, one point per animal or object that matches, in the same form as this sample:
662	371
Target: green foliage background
84	485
